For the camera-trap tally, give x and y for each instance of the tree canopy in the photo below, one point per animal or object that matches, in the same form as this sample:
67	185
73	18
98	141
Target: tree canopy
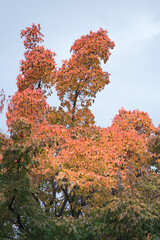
62	177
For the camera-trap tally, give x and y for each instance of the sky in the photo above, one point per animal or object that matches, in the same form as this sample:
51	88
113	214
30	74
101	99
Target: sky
134	63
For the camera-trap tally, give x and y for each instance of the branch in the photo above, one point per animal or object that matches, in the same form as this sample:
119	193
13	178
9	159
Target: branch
74	104
68	199
62	208
37	200
17	215
10	205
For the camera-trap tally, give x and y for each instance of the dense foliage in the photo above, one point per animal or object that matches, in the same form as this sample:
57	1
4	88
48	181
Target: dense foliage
61	176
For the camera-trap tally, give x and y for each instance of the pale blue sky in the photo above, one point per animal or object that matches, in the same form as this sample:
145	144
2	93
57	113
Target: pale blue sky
134	64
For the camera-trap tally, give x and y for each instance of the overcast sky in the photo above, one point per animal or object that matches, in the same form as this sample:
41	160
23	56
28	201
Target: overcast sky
134	64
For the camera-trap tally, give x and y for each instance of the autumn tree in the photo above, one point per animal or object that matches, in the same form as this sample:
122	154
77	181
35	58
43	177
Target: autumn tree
62	176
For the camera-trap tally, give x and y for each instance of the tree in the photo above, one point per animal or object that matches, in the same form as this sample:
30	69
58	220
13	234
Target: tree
61	172
154	148
2	97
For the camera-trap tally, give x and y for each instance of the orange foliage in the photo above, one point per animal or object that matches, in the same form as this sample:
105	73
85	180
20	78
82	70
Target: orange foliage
29	104
33	36
38	68
137	120
74	152
81	77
